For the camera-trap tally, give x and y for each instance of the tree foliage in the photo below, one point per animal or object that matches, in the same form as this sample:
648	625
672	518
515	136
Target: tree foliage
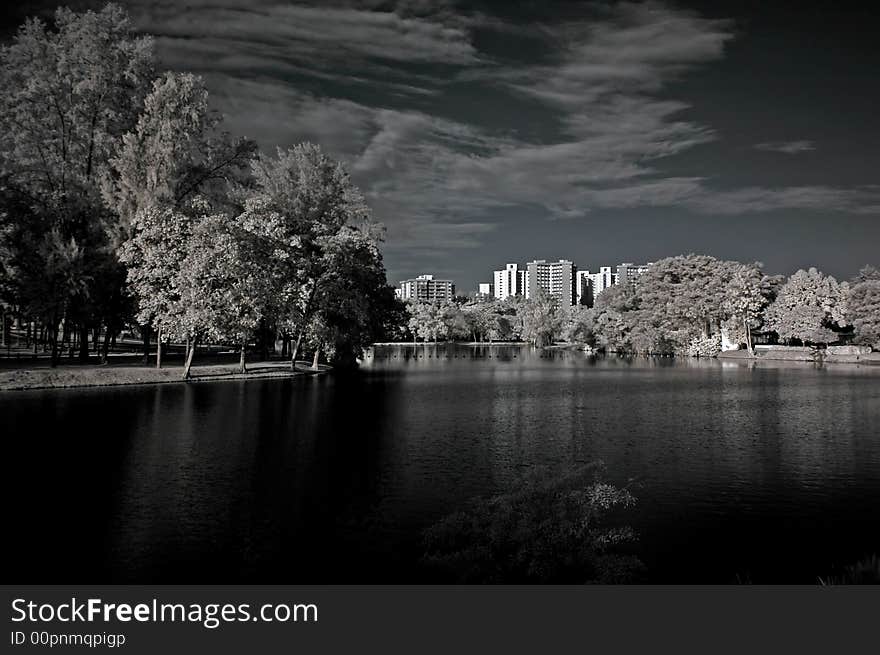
69	93
863	306
809	305
551	529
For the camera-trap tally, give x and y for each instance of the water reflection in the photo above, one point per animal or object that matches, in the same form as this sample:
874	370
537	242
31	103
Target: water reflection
766	472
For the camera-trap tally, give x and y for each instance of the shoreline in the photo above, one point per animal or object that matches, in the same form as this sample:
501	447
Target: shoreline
91	376
76	376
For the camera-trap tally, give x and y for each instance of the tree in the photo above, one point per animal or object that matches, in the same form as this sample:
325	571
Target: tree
70	92
864	306
175	153
171	165
159	243
808	306
615	311
579	326
684	298
541	319
354	300
748	293
426	320
300	202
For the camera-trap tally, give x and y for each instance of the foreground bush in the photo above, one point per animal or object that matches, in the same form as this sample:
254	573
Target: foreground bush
865	571
551	529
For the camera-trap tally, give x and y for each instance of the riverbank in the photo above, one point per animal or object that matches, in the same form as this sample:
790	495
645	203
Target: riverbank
842	355
66	377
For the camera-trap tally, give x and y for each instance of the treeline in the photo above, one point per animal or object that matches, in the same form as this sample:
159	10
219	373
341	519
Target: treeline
122	200
682	305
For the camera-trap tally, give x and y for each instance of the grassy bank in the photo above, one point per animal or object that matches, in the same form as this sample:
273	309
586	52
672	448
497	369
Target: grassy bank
64	377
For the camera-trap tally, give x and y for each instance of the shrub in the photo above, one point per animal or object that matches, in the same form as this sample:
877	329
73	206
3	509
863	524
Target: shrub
552	529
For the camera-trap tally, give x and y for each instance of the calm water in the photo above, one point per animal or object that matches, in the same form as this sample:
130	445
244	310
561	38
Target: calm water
767	474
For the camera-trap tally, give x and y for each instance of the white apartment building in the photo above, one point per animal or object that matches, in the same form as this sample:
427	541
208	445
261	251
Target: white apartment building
508	282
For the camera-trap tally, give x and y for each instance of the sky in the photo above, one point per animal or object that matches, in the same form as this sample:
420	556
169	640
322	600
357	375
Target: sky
483	133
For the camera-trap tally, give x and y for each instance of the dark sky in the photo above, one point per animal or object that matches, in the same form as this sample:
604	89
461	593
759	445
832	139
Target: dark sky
601	132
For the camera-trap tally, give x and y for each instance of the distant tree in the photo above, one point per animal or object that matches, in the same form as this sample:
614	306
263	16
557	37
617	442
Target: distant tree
748	293
684	297
616	311
579	326
864	306
541	319
426	320
807	307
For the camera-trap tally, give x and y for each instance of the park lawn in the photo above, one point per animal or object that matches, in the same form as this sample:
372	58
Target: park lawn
69	376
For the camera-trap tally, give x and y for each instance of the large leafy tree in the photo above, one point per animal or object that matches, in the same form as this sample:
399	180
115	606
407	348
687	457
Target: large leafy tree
222	288
159	242
172	167
685	296
542	320
177	152
69	93
808	307
749	292
353	301
616	313
864	306
300	206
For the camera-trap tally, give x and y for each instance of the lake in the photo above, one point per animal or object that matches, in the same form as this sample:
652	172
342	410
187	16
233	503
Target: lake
764	473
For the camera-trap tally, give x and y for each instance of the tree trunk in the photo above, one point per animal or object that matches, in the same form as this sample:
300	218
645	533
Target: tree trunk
159	348
105	348
317	356
53	338
83	344
748	338
190	351
145	334
242	366
295	350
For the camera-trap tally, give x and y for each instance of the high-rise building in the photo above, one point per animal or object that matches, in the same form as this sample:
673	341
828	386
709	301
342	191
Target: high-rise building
425	288
602	280
486	289
584	289
629	273
556	278
507	282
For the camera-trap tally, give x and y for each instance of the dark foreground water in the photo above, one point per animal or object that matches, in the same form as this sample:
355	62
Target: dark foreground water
767	474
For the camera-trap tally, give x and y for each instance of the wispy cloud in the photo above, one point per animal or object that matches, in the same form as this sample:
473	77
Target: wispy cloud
444	133
787	147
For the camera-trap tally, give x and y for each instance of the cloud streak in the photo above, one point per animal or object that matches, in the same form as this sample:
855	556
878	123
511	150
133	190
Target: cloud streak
786	147
409	95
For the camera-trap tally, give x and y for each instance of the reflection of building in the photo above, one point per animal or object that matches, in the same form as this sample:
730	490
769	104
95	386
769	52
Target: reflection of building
508	282
486	289
555	278
629	273
425	288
